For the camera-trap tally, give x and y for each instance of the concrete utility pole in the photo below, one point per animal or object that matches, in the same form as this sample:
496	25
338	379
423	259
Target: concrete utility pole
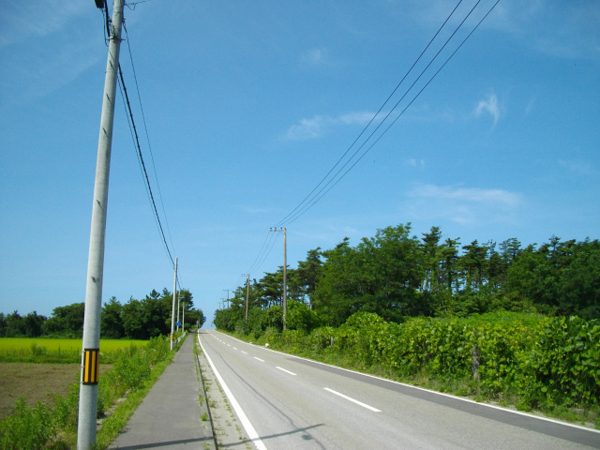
182	317
88	397
227	297
173	309
247	298
178	303
284	294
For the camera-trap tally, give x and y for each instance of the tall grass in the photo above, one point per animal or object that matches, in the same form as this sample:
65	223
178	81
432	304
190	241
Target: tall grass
60	351
135	369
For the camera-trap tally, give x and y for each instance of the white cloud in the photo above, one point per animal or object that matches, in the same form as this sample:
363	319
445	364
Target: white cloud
463	205
28	28
318	126
21	20
490	106
496	197
578	167
315	57
416	162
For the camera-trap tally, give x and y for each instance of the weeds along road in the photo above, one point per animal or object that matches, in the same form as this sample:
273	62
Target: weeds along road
285	402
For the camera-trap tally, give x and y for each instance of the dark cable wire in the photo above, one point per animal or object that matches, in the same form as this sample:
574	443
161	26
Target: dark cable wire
148	141
397	117
143	165
299	206
303	206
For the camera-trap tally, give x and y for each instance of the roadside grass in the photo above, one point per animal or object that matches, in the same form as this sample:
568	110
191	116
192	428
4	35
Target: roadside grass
121	389
62	351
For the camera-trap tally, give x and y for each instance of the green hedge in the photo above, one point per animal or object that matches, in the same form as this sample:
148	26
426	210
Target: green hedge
544	361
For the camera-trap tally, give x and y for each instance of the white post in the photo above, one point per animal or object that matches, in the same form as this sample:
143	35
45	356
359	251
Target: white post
173	309
183	318
88	397
178	302
284	278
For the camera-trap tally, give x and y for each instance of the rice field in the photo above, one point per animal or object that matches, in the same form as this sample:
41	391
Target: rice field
42	350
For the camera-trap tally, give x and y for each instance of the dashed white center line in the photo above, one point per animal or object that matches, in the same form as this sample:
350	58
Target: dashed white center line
234	348
285	370
261	360
245	353
364	405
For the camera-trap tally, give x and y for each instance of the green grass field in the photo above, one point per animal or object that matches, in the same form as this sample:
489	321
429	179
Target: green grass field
54	350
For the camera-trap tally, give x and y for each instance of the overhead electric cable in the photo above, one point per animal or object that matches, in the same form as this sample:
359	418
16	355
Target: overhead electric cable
316	194
264	252
148	141
283	221
143	165
133	131
397	117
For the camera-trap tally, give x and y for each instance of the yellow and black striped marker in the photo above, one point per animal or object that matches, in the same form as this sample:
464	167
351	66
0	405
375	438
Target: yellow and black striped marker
91	365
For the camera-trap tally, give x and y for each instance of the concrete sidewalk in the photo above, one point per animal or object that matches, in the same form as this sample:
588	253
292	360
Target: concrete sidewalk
169	416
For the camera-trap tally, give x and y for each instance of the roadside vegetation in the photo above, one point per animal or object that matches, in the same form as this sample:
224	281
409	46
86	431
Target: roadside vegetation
515	325
121	389
57	351
134	352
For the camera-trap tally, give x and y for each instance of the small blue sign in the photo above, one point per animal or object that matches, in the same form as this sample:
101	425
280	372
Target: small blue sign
178	323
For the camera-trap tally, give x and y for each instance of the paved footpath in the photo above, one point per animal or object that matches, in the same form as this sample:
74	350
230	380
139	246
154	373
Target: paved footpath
169	417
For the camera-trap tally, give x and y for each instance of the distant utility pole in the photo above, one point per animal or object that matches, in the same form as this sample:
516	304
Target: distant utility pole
88	397
173	308
247	298
178	302
227	297
283	230
182	317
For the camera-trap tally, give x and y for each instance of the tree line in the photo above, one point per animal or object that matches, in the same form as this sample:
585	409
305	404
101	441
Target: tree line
136	319
398	275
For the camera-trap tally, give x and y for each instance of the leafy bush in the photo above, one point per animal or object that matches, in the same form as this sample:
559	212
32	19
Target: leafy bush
541	360
27	428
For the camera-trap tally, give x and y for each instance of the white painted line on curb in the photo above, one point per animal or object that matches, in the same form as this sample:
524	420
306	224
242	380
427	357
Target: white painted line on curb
364	405
285	370
252	434
261	360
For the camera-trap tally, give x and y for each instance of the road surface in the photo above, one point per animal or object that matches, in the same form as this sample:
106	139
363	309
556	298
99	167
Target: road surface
292	403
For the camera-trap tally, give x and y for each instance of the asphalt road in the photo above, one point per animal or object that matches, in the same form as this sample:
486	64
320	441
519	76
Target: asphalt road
293	403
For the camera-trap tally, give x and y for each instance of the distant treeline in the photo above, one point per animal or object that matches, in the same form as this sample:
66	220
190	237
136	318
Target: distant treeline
397	276
136	319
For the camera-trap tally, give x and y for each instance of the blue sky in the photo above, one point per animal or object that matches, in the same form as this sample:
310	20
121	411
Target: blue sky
248	105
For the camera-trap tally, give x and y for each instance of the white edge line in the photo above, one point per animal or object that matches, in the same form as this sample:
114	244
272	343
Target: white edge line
353	400
252	434
285	370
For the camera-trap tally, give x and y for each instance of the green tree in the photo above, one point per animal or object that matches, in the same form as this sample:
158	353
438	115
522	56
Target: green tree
308	274
111	322
14	325
66	321
34	324
431	258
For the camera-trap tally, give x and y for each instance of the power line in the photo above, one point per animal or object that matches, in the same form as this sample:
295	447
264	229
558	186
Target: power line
300	205
148	140
133	130
264	252
323	187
